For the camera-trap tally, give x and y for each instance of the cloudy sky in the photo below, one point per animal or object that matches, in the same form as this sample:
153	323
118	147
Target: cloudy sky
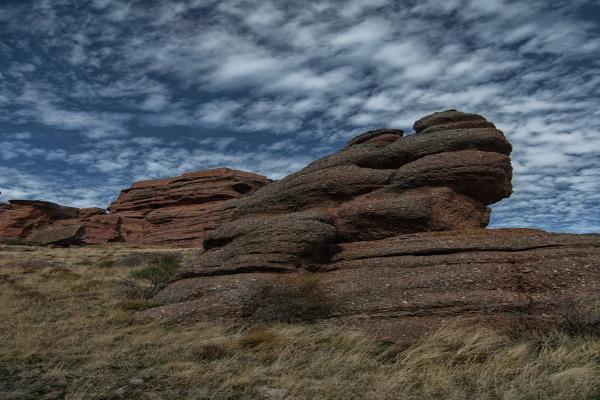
97	94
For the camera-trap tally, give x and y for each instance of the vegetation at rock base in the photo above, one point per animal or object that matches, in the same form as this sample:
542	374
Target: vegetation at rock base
155	270
287	301
14	241
68	331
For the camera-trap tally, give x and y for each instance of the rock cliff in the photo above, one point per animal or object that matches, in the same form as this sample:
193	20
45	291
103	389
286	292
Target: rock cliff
390	231
173	211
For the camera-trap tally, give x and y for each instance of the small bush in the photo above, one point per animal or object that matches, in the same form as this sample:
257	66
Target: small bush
134	290
581	317
575	317
156	274
287	301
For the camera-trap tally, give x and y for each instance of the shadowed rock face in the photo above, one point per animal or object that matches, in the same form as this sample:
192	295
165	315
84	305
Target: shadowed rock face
173	211
58	235
391	229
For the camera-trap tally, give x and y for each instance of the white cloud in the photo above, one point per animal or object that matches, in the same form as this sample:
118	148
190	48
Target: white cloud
369	31
260	83
155	102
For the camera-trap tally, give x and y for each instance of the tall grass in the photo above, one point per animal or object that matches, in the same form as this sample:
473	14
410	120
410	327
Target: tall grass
66	333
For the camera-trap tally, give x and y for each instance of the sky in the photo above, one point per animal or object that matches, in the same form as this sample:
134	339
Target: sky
97	94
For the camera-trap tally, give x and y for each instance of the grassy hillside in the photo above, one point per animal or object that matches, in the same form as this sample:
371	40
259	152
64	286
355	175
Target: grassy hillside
68	331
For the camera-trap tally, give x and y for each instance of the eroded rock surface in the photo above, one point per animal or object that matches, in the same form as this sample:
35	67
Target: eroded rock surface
391	230
173	211
180	210
19	218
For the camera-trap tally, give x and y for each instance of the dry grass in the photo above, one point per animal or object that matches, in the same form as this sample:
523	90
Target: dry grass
67	332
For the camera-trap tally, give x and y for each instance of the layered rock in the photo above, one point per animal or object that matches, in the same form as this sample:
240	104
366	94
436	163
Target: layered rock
370	190
391	229
19	218
180	210
172	211
58	235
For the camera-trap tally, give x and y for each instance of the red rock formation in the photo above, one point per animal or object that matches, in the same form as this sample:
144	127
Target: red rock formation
180	210
172	211
390	228
19	218
58	235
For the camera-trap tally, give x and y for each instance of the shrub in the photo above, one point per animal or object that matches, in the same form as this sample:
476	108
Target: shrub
287	301
575	317
134	290
157	274
581	317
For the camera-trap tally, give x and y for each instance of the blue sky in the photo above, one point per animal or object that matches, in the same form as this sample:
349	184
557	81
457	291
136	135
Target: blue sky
97	94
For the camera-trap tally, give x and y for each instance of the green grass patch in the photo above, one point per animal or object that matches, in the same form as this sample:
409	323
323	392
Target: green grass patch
155	275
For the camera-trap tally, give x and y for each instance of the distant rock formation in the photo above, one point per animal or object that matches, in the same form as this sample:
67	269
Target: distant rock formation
182	209
19	218
173	211
391	230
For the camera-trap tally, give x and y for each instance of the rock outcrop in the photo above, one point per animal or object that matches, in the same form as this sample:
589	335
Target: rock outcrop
19	218
174	211
391	230
180	210
58	235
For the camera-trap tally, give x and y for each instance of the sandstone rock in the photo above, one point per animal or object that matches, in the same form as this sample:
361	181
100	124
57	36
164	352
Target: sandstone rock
58	235
324	187
481	175
450	119
391	231
404	286
199	187
285	243
180	210
173	211
90	212
413	147
385	213
377	137
97	226
20	217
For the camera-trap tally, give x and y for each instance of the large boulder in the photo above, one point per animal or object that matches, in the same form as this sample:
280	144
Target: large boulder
58	235
390	230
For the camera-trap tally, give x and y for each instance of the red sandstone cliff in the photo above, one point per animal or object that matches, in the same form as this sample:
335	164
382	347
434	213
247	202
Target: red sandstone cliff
172	211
